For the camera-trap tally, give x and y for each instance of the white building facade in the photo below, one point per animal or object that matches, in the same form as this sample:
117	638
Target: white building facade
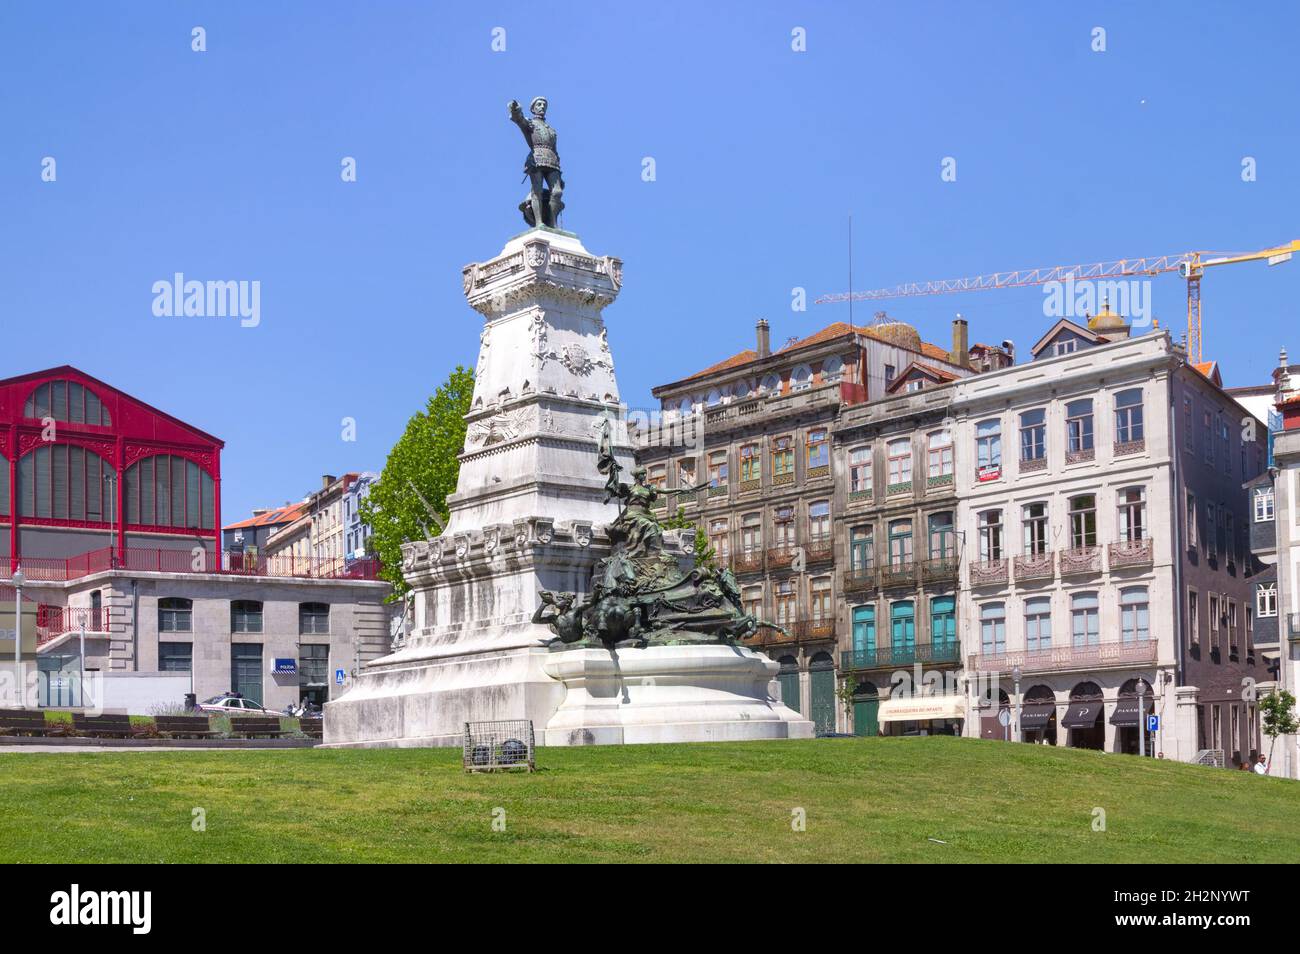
1064	506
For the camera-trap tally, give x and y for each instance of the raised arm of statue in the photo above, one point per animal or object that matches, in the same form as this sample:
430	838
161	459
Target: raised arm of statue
519	119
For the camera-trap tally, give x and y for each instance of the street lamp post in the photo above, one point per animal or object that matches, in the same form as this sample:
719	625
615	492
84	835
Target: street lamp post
1015	677
18	580
1142	718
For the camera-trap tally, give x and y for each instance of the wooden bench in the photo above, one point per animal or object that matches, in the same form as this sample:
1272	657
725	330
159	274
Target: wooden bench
25	722
103	726
312	728
191	727
251	727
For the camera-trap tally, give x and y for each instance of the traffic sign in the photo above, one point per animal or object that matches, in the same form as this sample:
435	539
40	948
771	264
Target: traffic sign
339	676
1153	723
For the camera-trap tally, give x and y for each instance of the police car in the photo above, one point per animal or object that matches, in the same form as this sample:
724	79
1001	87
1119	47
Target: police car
232	703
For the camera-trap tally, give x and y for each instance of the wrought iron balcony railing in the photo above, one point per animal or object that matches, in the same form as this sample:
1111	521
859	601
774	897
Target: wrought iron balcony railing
1078	560
819	549
940	569
859	580
747	561
1131	553
1035	566
817	627
779	558
988	572
892	657
898	573
1109	655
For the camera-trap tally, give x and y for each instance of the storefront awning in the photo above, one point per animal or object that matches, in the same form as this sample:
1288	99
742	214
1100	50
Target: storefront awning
1036	715
1126	710
1082	715
922	709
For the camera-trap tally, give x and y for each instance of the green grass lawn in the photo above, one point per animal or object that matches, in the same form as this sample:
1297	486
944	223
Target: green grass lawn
865	800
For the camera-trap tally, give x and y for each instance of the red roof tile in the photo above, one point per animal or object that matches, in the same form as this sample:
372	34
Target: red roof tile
837	330
286	514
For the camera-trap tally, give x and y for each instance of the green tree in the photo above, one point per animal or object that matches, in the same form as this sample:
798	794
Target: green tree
704	553
1277	715
425	457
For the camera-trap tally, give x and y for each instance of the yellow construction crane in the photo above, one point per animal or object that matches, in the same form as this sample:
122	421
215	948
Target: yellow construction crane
1190	265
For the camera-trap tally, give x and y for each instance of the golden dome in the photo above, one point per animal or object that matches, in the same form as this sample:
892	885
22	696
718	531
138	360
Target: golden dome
1107	320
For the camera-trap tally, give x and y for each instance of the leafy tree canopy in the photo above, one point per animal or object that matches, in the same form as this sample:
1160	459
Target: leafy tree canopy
425	457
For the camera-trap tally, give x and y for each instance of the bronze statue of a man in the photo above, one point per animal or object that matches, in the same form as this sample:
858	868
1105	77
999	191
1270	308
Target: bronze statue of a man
545	199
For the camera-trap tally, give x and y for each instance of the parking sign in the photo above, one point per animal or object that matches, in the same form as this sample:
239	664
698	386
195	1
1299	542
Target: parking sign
1153	723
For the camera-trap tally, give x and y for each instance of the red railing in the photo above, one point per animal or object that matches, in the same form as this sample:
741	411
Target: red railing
199	560
54	621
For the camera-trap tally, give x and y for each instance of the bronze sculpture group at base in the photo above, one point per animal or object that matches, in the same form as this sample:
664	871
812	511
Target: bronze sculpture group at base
640	594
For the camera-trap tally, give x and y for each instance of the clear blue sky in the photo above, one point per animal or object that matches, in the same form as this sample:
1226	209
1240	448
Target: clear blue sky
225	165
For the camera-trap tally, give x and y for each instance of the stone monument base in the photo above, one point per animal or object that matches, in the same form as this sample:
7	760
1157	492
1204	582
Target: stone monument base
420	698
696	693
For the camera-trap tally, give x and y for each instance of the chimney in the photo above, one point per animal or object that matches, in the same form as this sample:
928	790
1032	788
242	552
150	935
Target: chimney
960	343
326	480
764	339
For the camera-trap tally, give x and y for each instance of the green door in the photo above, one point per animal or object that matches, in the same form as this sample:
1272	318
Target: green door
788	678
246	670
821	678
864	717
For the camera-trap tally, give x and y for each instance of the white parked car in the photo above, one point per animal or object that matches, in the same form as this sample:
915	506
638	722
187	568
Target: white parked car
231	704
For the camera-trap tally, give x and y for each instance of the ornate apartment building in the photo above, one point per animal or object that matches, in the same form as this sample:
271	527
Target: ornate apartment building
1020	553
895	510
1100	502
753	438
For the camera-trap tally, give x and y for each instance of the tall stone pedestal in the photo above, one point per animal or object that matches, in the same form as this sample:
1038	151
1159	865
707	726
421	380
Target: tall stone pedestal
528	514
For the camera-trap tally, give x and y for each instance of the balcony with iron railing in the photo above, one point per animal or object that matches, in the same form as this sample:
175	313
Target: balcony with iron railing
1079	561
893	657
1107	655
898	573
202	561
989	572
814	628
780	558
1035	566
859	580
747	561
802	630
1131	553
940	569
819	549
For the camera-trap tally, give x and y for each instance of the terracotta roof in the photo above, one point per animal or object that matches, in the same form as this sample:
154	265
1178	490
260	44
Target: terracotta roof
1292	401
285	514
837	330
1205	367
